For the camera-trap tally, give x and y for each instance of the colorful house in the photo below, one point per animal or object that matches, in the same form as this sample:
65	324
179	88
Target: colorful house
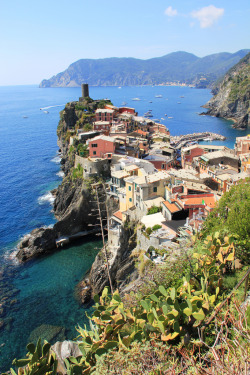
101	146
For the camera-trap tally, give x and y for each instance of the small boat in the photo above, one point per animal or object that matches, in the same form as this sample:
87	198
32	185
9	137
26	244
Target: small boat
46	112
162	118
150	102
178	102
25	116
124	103
136	99
158	96
119	87
165	114
182	96
170	117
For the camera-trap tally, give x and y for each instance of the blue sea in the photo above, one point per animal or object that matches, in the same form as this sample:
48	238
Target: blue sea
42	292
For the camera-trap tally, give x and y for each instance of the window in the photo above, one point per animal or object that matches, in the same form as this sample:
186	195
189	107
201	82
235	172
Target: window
163	166
130	199
94	145
94	152
129	188
155	189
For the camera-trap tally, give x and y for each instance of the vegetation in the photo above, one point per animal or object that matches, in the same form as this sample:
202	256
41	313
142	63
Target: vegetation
82	150
232	215
153	210
77	172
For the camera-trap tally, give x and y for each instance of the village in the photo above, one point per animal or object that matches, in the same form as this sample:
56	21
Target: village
168	189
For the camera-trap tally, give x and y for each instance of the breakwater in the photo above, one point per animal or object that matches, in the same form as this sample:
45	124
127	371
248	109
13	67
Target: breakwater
179	141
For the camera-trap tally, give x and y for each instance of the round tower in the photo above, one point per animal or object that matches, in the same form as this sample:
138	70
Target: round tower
85	90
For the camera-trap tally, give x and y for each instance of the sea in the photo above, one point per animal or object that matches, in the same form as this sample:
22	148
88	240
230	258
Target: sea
39	298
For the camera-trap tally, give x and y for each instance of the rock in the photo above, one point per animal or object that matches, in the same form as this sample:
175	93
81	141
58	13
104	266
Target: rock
64	350
84	292
39	241
47	332
1	324
2	312
231	98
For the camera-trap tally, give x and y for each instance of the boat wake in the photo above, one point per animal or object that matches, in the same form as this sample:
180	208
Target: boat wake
51	106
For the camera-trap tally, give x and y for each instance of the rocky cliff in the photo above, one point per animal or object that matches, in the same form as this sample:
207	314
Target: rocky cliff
73	198
232	96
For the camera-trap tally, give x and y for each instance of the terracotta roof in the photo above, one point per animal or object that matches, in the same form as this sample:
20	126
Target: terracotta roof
118	214
209	201
172	207
139	131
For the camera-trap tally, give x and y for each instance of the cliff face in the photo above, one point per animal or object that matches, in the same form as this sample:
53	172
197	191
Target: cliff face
232	95
74	197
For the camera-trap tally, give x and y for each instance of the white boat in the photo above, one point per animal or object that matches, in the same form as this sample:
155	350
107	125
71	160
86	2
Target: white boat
119	87
158	96
25	116
124	103
165	114
45	111
136	99
170	117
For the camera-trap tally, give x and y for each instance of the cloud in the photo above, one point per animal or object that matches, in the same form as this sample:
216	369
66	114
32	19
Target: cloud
170	12
207	16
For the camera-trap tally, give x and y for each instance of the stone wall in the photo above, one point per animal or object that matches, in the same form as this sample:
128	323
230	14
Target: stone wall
92	167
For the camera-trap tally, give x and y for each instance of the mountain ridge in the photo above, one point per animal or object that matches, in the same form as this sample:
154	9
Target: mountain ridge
180	66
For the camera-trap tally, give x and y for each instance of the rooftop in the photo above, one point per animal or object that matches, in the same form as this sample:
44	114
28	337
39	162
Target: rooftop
151	220
103	138
172	207
149	179
218	154
105	110
156	201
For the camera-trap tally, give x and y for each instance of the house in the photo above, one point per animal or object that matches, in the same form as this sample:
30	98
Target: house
101	146
161	162
188	153
185	206
242	145
148	186
104	115
102	126
218	159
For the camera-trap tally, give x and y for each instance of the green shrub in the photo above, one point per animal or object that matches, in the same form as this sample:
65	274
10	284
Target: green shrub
156	226
77	172
149	231
153	210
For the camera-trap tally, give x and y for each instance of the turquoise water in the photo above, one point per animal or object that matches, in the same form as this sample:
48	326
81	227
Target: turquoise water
43	291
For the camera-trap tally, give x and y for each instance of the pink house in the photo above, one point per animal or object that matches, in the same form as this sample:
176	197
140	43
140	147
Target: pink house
101	146
188	153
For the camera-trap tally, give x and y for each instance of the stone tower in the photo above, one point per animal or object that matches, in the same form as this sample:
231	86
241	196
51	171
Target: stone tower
85	90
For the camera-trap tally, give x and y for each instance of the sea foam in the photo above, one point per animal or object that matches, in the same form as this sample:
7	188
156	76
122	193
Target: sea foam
48	197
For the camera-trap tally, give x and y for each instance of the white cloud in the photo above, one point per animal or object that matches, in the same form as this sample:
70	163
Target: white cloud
207	16
170	12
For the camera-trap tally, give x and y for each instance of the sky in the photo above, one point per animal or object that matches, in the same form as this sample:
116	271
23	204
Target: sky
39	39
